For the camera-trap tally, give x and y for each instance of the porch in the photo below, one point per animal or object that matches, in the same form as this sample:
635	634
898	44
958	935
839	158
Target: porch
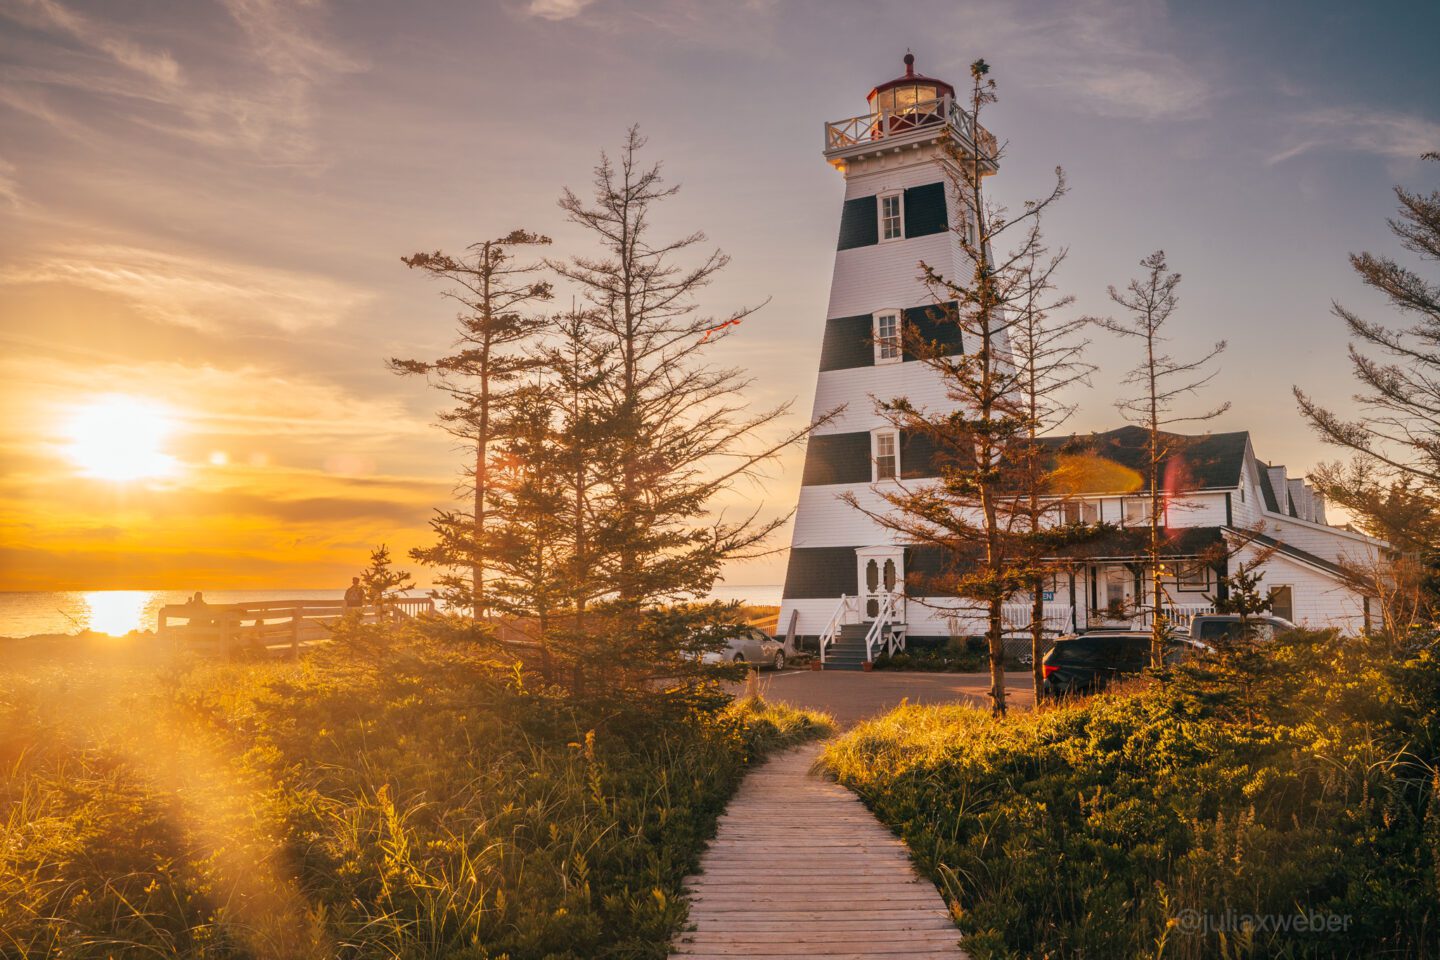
1113	592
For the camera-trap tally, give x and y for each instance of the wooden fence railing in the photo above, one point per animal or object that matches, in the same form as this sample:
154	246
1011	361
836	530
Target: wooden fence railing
271	627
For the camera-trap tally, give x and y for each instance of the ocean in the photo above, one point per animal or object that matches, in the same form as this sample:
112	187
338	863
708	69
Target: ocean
117	612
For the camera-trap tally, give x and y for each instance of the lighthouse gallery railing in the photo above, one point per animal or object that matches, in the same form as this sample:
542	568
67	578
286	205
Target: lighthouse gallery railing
886	124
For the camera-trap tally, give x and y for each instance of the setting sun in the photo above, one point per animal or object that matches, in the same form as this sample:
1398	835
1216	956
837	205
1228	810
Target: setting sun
121	438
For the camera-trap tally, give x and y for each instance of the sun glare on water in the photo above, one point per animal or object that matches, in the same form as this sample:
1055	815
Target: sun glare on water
121	438
116	612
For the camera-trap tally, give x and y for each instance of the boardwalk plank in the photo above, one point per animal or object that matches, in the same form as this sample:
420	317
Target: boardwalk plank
799	868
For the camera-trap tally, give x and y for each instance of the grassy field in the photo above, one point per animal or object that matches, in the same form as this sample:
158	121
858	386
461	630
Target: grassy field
1151	822
391	796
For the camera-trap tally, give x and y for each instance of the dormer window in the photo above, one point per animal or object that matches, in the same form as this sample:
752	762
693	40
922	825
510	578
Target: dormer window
885	449
886	335
892	217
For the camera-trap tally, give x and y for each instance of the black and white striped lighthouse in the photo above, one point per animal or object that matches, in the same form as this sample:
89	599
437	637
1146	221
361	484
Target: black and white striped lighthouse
846	576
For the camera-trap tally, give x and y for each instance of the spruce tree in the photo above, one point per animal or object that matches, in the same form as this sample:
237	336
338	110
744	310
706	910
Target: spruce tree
382	583
1161	381
480	376
677	429
1048	356
1391	488
527	547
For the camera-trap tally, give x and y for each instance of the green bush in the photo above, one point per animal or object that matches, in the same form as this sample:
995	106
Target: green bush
391	796
1303	781
957	656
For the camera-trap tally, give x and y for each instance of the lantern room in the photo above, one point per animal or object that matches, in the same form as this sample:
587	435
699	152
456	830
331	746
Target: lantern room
910	94
911	112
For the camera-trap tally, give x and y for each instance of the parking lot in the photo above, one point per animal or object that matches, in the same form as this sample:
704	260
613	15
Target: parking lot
851	696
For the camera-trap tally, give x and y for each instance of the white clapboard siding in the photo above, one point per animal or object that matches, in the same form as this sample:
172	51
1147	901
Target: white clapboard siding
1320	600
856	390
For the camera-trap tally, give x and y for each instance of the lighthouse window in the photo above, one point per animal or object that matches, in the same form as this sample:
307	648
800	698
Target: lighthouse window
887	337
887	459
892	226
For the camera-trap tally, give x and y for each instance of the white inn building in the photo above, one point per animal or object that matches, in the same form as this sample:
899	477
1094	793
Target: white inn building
846	579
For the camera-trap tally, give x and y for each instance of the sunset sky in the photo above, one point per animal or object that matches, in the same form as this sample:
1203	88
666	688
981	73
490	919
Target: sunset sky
203	208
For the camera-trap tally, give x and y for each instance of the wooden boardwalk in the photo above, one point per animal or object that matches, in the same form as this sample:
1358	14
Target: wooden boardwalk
800	868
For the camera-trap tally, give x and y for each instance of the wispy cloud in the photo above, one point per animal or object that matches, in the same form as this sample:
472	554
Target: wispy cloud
158	65
254	97
9	186
193	292
557	9
1398	136
1155	90
1111	58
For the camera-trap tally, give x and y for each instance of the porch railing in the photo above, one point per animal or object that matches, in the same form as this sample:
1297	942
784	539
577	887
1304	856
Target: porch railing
843	610
1179	614
882	632
1057	617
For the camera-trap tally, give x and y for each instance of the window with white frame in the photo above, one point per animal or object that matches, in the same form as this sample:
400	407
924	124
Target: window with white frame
1082	511
886	454
1137	510
1193	576
892	217
887	336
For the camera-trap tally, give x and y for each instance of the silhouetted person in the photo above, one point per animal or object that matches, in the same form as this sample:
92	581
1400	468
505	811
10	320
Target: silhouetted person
355	596
200	617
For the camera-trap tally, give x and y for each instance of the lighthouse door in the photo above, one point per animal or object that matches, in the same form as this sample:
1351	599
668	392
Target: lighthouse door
882	571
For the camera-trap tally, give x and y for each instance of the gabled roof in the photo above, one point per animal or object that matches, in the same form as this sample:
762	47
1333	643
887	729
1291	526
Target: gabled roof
1267	491
1293	552
1206	462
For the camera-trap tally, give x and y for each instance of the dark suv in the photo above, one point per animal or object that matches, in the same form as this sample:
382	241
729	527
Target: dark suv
1088	662
1210	627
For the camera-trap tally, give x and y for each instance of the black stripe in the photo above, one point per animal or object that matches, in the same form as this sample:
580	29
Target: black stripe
837	458
859	223
832	458
819	573
937	324
917	456
849	342
824	573
925	210
922	566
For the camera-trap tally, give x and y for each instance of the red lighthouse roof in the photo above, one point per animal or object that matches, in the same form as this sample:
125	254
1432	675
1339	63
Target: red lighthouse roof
912	88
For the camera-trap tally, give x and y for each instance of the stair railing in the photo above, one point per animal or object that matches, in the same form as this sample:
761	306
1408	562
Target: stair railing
884	617
832	629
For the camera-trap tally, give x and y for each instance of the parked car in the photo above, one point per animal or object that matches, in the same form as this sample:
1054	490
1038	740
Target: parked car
1221	626
749	645
1083	663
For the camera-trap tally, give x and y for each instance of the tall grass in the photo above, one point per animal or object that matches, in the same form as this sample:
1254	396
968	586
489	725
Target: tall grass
393	796
1105	828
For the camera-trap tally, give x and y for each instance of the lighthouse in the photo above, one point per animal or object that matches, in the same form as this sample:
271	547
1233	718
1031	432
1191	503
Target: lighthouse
845	582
